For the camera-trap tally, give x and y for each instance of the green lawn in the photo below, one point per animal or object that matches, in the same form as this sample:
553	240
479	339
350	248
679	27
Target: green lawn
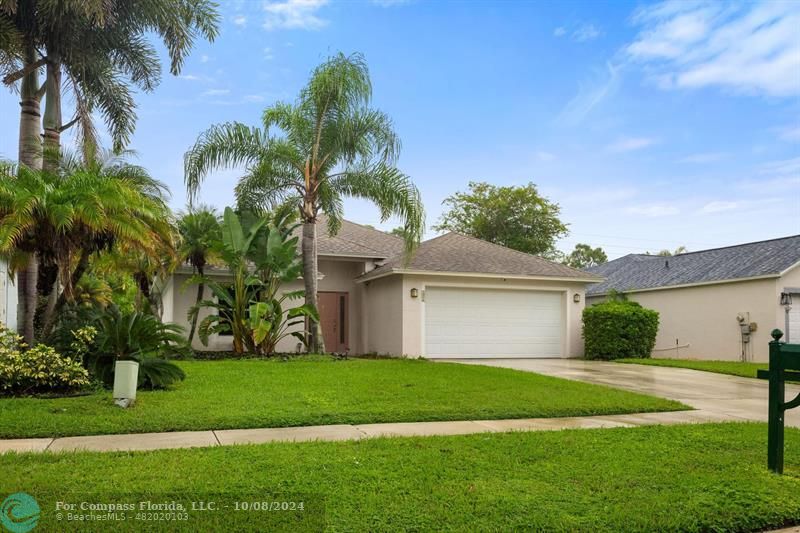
268	393
657	478
733	368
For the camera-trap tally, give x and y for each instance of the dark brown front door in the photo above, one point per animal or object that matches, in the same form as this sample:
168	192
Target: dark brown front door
333	317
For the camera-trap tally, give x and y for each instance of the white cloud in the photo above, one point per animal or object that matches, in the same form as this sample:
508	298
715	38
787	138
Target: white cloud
590	95
189	77
719	206
253	98
545	156
630	144
706	157
586	32
785	167
216	92
560	31
654	210
774	176
294	15
268	53
749	48
790	133
240	20
204	58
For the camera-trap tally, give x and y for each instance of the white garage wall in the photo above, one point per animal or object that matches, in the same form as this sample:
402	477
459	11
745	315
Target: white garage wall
414	318
382	321
790	323
704	318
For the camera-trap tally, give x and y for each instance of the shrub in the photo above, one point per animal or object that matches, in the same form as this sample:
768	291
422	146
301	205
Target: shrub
619	328
138	337
38	370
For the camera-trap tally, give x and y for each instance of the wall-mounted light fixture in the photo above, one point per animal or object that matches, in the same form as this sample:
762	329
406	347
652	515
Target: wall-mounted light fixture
414	293
576	298
786	298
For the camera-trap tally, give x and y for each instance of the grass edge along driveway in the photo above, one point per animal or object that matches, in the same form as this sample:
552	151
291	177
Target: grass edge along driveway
236	394
731	368
707	477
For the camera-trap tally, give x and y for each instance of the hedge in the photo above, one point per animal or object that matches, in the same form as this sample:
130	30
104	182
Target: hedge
618	329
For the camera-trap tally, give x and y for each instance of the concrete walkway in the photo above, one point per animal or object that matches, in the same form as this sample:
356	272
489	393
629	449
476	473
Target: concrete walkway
731	397
201	439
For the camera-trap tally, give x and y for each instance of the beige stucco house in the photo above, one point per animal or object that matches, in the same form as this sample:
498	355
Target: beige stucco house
713	304
457	297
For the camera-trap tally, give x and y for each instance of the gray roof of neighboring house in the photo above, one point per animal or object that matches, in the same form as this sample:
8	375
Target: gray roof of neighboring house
638	271
453	252
355	240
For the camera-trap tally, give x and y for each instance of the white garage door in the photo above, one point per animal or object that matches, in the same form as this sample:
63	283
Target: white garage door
794	321
461	323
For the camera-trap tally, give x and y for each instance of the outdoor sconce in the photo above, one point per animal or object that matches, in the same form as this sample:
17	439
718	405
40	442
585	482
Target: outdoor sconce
414	293
786	298
576	298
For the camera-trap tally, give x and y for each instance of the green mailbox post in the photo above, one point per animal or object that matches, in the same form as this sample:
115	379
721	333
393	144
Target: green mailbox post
784	364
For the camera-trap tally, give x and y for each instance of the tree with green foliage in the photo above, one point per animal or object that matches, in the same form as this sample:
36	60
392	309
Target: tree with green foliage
82	209
669	253
329	145
517	217
97	49
584	256
261	254
200	233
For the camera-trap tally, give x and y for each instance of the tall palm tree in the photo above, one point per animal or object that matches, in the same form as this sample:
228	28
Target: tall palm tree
329	145
84	208
100	46
200	233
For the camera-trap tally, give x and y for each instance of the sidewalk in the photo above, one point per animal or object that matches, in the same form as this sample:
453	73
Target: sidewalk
201	439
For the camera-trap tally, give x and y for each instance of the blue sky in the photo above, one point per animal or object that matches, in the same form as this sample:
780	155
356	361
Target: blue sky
653	125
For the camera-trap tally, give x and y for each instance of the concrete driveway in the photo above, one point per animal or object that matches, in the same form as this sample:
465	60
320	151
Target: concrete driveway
727	397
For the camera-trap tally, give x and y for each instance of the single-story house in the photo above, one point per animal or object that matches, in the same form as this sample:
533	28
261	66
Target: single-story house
713	304
457	297
8	298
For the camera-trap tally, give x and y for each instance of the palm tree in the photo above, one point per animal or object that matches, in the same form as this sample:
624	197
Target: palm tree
331	145
100	46
199	232
84	208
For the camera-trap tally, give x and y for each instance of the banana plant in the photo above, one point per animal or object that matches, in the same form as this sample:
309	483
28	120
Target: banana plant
269	323
261	254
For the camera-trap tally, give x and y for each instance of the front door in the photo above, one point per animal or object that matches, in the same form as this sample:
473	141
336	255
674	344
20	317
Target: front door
333	317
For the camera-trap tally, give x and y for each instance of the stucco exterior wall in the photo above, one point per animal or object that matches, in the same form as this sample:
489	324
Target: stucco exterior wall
704	318
337	276
383	316
413	343
790	280
8	298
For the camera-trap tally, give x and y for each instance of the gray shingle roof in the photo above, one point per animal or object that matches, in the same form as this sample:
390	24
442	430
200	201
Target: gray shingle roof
355	240
637	271
453	252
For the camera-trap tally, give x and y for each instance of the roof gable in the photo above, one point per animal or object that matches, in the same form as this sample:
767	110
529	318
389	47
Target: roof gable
756	259
453	252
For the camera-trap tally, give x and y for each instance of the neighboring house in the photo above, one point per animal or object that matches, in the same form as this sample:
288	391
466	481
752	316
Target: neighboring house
8	298
457	297
705	298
